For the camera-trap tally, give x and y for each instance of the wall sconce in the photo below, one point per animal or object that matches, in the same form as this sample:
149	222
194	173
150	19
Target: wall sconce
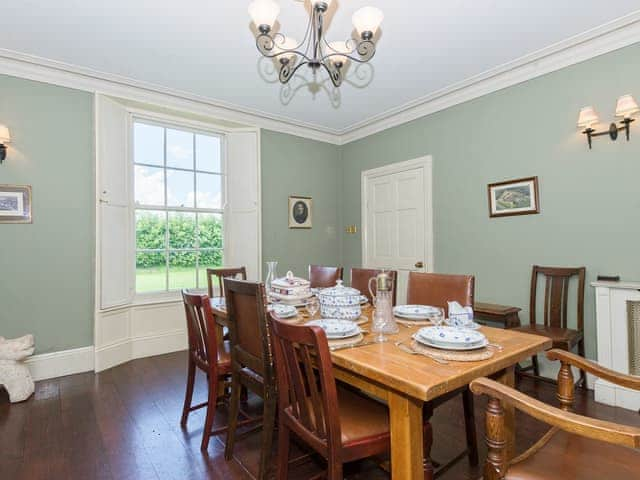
5	138
625	108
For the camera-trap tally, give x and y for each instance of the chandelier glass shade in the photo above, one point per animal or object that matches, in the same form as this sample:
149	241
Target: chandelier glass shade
314	50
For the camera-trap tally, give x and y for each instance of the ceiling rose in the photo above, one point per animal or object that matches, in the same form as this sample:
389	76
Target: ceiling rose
314	50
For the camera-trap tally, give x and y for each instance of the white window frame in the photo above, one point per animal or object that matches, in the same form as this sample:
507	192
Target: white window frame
166	121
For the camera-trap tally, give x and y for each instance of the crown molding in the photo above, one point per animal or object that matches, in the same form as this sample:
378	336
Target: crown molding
605	38
40	69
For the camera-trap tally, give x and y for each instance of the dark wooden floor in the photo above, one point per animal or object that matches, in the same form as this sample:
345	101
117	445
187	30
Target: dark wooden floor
124	424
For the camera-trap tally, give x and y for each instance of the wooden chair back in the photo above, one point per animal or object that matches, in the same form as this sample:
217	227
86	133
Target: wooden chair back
201	330
248	329
323	277
306	386
360	281
556	295
221	274
436	289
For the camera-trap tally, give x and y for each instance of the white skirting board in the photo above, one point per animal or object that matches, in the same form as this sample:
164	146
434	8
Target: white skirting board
59	364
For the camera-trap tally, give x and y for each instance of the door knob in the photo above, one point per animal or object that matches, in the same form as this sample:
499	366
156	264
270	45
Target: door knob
419	265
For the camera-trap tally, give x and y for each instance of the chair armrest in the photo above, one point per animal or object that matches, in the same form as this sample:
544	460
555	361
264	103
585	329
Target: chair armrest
571	422
607	374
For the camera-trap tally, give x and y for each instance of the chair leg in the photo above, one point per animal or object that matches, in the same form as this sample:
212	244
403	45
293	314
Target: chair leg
283	452
470	427
234	407
188	396
268	424
583	376
212	400
536	367
334	469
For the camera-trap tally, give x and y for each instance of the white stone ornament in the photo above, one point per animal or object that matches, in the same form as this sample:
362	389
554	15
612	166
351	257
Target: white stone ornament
14	374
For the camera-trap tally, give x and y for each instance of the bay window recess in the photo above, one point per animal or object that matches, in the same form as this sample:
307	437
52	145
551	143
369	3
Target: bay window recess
174	198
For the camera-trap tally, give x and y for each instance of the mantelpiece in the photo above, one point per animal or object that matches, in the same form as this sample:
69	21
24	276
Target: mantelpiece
616	305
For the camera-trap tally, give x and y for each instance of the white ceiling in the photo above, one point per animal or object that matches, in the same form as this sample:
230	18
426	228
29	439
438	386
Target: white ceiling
206	47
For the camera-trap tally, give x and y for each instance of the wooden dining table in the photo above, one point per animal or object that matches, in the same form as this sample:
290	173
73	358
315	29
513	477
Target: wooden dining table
408	382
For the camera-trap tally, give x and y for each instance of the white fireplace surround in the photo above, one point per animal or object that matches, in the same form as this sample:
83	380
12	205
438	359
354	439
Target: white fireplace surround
613	340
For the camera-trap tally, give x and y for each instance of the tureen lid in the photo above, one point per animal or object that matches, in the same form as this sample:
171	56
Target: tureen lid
290	281
339	291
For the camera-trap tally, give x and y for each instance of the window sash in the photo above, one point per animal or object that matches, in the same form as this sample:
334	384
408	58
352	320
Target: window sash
165	208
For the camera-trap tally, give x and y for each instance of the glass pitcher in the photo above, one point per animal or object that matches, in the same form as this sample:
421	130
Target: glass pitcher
272	274
383	320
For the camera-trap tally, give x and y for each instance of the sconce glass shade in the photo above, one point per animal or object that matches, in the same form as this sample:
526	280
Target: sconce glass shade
264	12
626	106
587	117
5	136
367	19
287	44
338	47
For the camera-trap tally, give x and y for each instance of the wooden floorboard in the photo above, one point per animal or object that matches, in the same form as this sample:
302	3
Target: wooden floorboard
123	424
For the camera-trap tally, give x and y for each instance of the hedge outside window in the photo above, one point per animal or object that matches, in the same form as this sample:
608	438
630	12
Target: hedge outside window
178	200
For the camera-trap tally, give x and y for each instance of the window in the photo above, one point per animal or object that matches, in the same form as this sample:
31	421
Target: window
179	199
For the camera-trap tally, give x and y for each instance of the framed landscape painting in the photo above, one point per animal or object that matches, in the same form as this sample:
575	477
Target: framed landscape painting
514	197
300	212
15	204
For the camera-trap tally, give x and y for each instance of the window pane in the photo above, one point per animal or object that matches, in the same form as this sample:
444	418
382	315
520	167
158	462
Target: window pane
210	230
182	230
209	190
208	153
208	259
149	186
182	270
151	227
179	188
179	149
148	144
151	272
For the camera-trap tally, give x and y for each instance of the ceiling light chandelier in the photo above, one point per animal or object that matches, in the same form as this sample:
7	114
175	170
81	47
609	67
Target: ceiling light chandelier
314	50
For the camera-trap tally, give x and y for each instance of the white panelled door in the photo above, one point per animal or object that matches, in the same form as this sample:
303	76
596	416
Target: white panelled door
397	219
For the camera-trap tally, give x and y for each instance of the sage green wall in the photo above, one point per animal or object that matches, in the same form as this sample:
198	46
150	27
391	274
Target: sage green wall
297	166
590	199
46	268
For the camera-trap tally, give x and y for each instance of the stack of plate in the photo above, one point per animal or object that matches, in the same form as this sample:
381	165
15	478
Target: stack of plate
283	311
415	312
450	338
336	329
296	301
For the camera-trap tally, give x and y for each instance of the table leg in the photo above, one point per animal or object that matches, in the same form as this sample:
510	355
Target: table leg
220	339
507	377
406	437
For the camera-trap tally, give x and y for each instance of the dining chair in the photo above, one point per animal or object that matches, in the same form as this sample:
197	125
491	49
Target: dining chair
360	281
437	289
205	355
220	274
576	446
323	277
555	325
251	361
336	422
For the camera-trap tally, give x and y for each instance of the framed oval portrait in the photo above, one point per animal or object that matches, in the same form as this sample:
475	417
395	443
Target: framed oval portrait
300	212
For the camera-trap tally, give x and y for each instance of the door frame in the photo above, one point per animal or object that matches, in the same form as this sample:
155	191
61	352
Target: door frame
426	162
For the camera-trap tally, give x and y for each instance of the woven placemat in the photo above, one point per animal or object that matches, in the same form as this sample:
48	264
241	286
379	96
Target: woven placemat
345	342
454	355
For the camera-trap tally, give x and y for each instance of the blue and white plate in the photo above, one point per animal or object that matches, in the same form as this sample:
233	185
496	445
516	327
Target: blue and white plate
471	325
451	338
335	328
283	311
415	312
